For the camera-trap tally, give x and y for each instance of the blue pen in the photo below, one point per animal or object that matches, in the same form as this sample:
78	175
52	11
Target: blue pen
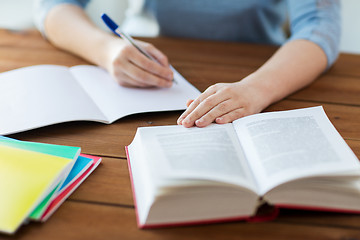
115	28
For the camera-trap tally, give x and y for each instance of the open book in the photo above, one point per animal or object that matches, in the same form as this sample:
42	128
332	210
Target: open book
41	95
223	172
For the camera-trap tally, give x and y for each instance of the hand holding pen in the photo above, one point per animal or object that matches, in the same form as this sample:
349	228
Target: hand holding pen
137	63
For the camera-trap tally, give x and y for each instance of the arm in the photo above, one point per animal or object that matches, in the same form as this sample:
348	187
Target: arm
68	27
296	64
288	70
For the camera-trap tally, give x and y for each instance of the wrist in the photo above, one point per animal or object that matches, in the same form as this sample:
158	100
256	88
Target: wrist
107	50
263	90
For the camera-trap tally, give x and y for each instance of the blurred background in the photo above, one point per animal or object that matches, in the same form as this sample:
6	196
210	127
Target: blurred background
17	15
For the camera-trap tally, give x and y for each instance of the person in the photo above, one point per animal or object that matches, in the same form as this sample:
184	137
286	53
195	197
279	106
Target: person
311	48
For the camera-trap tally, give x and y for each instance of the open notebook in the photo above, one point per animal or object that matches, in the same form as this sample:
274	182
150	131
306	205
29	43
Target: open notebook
42	95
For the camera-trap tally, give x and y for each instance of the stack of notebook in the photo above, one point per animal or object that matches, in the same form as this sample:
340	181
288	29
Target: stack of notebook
35	178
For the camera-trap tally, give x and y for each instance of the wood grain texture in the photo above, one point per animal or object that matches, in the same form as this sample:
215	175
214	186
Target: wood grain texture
109	184
103	208
76	220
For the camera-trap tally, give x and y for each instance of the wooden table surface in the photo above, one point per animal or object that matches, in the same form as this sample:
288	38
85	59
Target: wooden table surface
102	207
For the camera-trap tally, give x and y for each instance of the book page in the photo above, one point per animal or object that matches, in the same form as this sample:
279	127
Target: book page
212	153
41	95
116	101
283	146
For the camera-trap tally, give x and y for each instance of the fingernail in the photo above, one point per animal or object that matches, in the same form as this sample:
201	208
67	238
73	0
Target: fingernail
186	121
179	121
199	122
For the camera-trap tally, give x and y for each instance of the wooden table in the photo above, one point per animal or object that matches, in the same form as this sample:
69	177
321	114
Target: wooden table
103	208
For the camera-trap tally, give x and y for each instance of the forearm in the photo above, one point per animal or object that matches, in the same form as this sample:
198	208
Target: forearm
295	65
83	38
68	27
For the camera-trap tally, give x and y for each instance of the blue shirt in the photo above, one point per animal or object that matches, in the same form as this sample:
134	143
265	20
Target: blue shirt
256	21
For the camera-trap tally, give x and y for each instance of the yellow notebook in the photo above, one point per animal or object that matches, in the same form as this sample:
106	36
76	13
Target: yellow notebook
26	177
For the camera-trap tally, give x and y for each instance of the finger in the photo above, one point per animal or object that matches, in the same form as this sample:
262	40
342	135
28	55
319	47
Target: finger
156	53
231	116
121	71
180	119
144	77
127	81
149	65
219	110
194	103
189	102
204	107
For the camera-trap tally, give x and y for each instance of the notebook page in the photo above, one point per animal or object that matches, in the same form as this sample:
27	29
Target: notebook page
116	101
42	95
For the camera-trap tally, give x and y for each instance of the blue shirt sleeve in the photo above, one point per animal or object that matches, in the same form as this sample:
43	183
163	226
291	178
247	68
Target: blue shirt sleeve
42	8
318	21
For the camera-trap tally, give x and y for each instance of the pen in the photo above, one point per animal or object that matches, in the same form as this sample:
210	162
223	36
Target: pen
115	28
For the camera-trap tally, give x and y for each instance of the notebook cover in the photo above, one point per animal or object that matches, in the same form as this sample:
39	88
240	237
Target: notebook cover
63	195
80	166
32	176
